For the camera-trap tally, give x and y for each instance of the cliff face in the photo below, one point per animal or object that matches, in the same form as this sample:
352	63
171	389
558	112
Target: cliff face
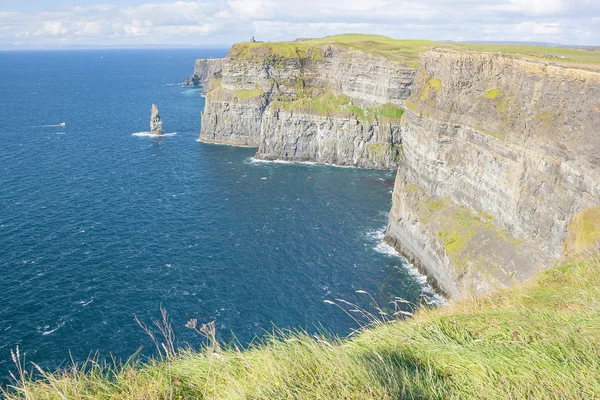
311	103
204	70
512	141
498	155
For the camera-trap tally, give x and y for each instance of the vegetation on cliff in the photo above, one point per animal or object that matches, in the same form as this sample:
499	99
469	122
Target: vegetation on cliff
537	340
329	104
404	51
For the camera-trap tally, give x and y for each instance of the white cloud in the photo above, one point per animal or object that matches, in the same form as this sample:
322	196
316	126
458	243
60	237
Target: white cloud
225	21
55	28
536	28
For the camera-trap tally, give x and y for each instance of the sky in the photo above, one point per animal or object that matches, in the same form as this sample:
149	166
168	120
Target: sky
50	24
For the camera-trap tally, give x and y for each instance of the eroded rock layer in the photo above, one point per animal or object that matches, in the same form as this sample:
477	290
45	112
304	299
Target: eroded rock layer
513	141
314	103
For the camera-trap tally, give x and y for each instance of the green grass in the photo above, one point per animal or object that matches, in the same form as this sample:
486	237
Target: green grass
248	94
275	51
340	106
584	230
404	51
539	340
554	54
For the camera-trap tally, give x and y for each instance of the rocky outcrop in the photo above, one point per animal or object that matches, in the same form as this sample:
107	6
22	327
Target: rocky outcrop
349	141
155	122
204	70
324	103
497	154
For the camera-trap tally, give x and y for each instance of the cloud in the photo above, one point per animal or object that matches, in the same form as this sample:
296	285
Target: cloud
225	21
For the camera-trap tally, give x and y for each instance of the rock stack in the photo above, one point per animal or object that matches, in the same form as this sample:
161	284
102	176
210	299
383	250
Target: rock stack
155	122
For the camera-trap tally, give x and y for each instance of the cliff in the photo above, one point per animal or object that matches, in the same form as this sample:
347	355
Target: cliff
497	152
511	146
204	70
309	102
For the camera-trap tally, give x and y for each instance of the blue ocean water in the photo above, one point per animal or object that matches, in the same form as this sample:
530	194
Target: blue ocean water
98	224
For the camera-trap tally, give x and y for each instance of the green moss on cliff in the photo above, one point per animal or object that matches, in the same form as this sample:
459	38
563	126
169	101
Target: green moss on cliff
584	230
493	94
341	106
387	111
500	99
435	84
248	94
470	238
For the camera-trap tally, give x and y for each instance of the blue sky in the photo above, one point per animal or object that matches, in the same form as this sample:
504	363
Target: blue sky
136	23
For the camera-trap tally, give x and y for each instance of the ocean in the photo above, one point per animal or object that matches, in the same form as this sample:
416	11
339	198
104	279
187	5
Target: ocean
99	223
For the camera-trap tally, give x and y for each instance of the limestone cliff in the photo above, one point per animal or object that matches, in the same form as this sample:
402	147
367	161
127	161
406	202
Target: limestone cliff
323	103
204	70
512	146
497	154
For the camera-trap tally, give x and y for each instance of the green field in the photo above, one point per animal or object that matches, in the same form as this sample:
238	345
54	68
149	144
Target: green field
540	340
408	51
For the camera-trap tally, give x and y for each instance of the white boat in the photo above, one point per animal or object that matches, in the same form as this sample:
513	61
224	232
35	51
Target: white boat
62	124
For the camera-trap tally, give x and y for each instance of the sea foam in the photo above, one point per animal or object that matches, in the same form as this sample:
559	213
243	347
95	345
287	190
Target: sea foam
148	134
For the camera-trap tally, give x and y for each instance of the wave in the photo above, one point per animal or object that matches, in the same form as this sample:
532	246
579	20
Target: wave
225	144
430	295
254	160
51	331
148	134
86	303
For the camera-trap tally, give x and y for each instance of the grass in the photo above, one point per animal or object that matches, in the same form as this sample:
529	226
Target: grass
584	230
555	54
404	51
274	51
539	340
329	104
248	94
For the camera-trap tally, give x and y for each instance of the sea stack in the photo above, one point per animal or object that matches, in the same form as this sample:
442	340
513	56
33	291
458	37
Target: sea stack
155	122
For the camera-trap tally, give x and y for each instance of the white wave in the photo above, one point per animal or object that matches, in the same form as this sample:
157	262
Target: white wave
148	134
254	160
225	144
85	303
49	332
60	133
431	297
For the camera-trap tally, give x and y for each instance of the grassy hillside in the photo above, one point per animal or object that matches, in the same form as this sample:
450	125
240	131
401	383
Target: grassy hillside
407	51
539	340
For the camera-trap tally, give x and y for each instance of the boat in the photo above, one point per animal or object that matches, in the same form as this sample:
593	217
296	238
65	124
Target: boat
62	124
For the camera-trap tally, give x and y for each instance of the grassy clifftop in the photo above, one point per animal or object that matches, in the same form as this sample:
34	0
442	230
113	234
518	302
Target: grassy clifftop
407	51
539	340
